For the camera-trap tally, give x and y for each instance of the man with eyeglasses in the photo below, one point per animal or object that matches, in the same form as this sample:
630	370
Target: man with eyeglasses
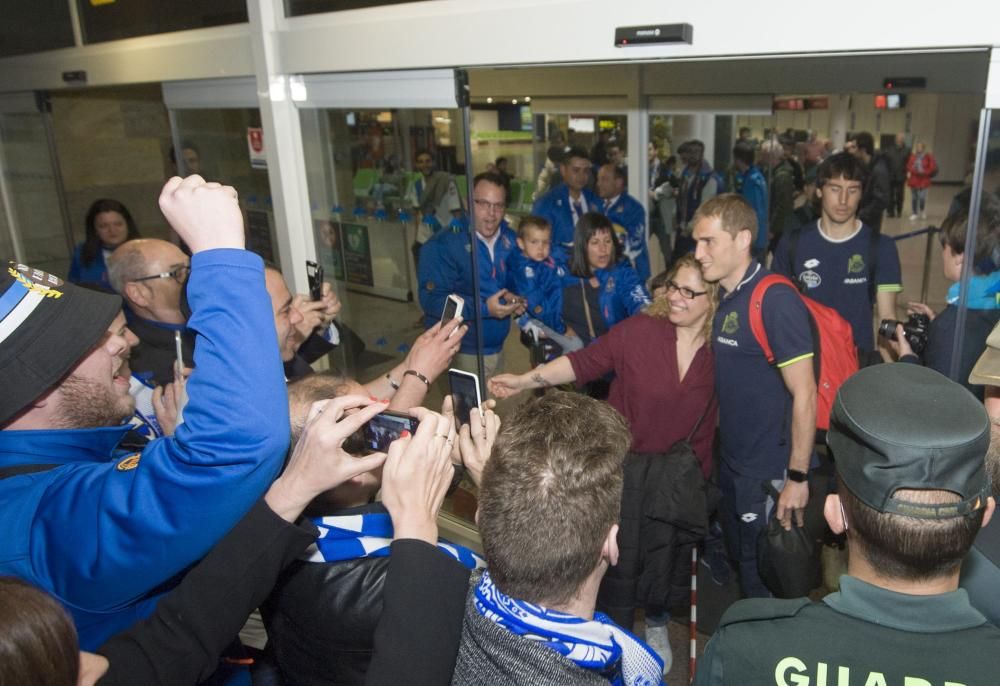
446	268
150	275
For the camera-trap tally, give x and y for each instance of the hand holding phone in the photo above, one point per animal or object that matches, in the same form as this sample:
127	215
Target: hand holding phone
384	428
465	394
314	272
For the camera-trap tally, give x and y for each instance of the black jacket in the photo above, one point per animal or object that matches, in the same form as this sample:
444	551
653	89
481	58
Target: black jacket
663	509
181	642
875	197
321	617
156	352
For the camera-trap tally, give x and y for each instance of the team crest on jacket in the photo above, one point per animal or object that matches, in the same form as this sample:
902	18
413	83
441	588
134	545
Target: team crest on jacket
129	463
610	287
529	273
856	264
731	324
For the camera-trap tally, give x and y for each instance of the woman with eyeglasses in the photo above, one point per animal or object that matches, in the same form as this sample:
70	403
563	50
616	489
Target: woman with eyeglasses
664	386
662	362
108	225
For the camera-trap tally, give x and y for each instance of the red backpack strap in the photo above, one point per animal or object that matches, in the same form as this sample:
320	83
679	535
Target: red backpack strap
757	315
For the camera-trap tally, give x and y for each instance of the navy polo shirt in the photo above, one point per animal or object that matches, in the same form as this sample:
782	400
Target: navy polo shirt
754	404
836	273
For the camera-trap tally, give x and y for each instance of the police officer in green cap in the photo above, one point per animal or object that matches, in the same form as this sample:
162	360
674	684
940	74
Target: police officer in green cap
912	495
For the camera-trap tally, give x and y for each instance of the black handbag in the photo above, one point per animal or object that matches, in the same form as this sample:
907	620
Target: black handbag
789	561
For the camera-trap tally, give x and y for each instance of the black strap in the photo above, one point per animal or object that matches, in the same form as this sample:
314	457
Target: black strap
793	253
702	417
873	240
18	469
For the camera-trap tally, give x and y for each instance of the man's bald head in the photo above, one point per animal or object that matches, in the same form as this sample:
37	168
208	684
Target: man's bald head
134	270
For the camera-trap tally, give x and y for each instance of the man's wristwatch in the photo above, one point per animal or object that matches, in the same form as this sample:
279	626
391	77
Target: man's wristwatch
797	476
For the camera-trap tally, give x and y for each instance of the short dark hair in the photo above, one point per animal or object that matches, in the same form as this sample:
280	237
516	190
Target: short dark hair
911	548
92	242
621	173
843	165
496	179
744	153
574	151
864	141
423	151
588	225
744	129
38	643
500	160
550	493
986	258
532	220
695	143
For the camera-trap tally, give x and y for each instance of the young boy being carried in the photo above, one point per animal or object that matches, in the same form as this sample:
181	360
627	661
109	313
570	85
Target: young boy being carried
538	279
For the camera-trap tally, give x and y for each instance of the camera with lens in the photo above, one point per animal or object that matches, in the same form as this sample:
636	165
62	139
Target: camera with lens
915	329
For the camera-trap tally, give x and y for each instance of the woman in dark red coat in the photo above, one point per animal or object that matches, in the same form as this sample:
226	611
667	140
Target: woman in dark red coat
920	169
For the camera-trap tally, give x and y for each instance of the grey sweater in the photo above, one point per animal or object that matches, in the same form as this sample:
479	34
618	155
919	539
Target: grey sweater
489	654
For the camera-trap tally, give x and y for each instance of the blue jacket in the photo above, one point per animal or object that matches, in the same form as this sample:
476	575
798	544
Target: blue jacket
628	214
446	268
95	272
753	187
622	293
555	206
540	284
105	533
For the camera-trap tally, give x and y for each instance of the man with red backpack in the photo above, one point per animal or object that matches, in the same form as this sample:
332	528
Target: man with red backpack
767	411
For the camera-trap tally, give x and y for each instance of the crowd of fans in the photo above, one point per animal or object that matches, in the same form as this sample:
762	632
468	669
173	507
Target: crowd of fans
170	462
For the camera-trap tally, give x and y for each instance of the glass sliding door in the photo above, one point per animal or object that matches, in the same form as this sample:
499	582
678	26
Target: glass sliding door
33	226
217	134
374	145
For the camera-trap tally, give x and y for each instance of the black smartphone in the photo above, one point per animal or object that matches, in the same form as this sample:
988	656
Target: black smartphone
314	272
465	394
384	428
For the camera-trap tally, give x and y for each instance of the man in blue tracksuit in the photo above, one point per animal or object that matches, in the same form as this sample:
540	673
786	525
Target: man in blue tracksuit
567	202
627	215
108	532
752	185
446	268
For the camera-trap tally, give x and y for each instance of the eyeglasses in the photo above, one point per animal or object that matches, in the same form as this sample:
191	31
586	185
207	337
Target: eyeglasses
178	274
685	292
487	205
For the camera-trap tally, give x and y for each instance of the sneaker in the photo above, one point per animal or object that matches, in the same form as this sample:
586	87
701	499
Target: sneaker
923	215
717	562
913	217
658	639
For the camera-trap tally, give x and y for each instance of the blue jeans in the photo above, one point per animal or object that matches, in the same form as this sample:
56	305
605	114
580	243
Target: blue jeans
918	197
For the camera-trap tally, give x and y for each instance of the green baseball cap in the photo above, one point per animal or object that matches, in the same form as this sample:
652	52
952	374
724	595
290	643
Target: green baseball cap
903	426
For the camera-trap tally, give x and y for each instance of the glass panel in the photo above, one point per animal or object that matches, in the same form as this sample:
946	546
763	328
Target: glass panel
970	254
364	190
217	144
295	8
31	190
112	143
35	26
104	21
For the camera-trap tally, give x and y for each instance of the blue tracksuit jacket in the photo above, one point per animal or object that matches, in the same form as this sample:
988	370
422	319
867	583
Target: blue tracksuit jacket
105	533
555	206
622	293
540	283
446	268
628	214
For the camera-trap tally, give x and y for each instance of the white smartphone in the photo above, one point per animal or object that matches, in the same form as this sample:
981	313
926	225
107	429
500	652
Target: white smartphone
465	394
453	307
179	377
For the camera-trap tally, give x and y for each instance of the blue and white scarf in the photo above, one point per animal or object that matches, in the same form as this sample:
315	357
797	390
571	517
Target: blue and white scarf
350	537
595	645
983	290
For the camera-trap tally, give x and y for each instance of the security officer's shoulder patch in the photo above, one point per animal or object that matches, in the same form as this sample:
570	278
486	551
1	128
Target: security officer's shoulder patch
755	609
129	463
